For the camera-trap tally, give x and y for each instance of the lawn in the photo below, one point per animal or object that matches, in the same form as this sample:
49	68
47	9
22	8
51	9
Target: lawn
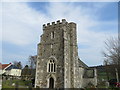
15	83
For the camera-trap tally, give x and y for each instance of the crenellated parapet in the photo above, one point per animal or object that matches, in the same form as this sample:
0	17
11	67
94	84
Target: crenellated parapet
53	24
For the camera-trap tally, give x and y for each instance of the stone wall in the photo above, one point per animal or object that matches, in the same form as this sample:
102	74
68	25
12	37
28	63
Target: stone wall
45	52
93	80
63	49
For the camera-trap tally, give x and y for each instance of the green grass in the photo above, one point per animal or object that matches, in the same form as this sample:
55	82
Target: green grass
8	83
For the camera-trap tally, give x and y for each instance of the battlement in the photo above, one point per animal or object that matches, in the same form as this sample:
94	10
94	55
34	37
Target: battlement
55	23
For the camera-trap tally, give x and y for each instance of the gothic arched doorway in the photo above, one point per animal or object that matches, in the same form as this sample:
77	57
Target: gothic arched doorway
51	83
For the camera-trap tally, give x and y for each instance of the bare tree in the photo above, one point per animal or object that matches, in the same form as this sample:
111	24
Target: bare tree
113	50
32	65
32	61
25	72
112	53
17	64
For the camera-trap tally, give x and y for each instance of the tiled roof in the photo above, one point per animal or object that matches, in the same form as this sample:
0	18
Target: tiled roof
11	67
3	66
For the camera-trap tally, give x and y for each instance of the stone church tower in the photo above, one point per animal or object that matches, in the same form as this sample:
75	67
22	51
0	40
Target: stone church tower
58	65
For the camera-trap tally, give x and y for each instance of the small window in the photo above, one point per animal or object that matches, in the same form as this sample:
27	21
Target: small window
52	35
51	46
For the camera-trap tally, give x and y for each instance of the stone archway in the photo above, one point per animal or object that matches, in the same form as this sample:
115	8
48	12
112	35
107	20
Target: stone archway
51	82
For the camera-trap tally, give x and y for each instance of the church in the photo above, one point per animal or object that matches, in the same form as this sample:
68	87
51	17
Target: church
58	64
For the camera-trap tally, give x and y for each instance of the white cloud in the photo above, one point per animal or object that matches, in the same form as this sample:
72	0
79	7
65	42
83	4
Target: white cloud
22	25
85	21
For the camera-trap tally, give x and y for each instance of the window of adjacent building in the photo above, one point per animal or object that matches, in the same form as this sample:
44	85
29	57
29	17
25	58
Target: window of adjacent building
51	66
89	73
52	35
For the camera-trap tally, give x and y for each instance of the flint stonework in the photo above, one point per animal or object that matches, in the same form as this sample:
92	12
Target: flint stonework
59	43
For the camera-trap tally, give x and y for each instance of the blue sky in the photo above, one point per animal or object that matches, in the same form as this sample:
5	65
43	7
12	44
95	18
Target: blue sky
22	27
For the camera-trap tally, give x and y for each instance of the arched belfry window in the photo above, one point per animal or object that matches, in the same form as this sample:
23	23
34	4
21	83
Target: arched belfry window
51	65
